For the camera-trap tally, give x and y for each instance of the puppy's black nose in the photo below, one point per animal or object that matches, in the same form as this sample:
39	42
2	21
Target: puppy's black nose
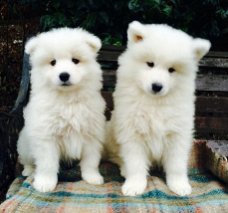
156	87
64	76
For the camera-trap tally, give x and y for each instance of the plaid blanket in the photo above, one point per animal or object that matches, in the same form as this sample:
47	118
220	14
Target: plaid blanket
74	195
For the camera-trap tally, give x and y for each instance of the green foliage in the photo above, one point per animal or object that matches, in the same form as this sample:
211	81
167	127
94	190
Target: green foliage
109	19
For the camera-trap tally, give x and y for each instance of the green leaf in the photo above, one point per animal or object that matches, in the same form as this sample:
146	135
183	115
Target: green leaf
134	5
167	10
222	13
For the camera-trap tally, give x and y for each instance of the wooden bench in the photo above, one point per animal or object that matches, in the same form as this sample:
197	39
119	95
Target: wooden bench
211	106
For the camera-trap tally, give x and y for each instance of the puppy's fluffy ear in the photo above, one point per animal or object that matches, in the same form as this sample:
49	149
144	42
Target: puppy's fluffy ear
135	32
201	47
31	45
93	42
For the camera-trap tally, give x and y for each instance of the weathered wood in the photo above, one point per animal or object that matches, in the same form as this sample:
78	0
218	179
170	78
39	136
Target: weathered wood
214	62
109	79
210	82
217	54
108	56
212	105
213	122
209	126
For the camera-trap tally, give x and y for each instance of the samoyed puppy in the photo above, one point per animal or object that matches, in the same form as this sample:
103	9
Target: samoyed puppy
153	120
64	118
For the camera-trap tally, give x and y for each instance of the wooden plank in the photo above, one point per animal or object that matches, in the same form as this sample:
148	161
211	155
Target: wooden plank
214	62
218	54
109	84
108	56
111	72
109	79
113	48
211	127
212	124
210	82
212	105
207	134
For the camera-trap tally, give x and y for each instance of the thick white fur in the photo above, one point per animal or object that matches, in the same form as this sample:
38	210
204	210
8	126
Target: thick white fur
63	122
155	129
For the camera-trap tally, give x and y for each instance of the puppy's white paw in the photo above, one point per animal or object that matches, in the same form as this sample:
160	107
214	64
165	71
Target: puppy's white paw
27	171
134	186
45	183
93	177
180	186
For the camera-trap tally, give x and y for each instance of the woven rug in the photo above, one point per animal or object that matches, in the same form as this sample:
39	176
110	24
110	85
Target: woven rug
74	195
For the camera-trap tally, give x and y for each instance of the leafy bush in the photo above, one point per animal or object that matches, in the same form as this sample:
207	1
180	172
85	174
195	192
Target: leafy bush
109	19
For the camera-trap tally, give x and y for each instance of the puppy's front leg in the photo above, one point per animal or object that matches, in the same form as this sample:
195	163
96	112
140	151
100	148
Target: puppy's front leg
47	164
91	155
135	168
175	162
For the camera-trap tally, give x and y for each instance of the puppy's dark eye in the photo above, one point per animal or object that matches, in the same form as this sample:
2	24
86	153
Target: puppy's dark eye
171	70
150	64
53	62
75	60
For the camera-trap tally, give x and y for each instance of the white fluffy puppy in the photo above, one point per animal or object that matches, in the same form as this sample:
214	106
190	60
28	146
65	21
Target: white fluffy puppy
153	118
64	118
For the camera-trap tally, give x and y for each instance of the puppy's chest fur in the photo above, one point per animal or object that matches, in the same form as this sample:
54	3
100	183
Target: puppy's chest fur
153	126
152	130
69	119
70	126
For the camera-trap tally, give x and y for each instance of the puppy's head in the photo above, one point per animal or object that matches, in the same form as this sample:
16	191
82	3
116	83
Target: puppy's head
160	59
63	57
